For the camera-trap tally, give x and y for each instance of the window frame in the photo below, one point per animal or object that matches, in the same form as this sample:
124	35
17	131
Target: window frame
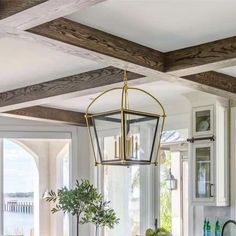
40	132
149	186
152	184
183	149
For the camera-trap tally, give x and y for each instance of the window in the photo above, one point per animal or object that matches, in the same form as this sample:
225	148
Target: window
165	194
29	168
20	175
129	191
174	204
134	191
122	188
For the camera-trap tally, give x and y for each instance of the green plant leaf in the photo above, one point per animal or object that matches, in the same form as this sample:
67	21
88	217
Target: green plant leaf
85	202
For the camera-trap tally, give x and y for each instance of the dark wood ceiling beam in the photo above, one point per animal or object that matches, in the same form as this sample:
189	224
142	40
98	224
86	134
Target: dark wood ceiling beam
114	49
205	57
72	37
120	52
35	12
216	81
46	92
97	45
11	7
48	114
105	47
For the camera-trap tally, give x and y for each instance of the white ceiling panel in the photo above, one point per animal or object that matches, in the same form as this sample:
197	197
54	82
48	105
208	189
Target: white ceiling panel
228	71
163	24
23	63
166	92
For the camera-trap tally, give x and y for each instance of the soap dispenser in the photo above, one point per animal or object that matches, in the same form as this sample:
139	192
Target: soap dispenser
205	228
217	229
208	228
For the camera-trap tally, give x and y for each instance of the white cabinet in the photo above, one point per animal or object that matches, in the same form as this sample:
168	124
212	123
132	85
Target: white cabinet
203	172
209	156
203	121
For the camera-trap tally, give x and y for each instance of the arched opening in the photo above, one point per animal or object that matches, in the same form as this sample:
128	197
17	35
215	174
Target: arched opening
30	168
21	184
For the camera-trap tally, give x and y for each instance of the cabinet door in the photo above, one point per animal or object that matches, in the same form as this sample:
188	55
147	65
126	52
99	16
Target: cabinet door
203	169
203	122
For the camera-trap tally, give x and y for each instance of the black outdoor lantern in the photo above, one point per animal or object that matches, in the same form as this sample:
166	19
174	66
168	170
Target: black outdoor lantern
124	133
171	181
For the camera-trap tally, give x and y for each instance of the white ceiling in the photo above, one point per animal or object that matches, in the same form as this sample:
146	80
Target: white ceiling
166	92
163	24
23	63
228	71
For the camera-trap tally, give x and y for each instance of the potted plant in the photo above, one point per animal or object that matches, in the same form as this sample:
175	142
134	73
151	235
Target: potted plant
103	215
85	203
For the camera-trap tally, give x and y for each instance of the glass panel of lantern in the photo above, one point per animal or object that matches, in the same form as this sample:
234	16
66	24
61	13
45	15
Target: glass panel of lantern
133	143
106	132
140	136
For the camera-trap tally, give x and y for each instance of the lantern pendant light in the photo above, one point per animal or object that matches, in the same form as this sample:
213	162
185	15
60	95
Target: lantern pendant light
125	134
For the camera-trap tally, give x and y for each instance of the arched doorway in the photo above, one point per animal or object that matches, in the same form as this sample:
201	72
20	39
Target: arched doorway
20	185
30	167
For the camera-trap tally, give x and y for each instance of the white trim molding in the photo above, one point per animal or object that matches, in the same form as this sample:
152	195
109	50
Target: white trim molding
233	162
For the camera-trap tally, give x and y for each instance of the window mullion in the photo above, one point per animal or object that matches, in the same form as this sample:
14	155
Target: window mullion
1	188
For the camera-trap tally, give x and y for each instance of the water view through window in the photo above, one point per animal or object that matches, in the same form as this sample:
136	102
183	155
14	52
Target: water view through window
30	168
19	184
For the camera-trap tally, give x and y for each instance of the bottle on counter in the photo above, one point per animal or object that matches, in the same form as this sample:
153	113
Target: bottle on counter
208	228
217	229
205	228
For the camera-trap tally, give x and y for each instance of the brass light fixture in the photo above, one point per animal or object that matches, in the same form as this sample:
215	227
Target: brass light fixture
125	134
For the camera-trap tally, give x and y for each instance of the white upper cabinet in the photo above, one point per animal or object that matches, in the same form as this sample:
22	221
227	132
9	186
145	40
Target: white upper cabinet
203	121
203	173
209	154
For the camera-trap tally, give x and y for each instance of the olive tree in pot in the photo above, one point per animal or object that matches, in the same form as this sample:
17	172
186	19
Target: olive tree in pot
103	215
85	203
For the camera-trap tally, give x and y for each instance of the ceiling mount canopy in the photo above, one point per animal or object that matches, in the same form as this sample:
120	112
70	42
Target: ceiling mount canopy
127	131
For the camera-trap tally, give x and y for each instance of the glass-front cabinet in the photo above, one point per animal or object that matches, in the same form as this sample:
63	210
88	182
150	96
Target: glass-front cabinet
203	172
209	160
203	121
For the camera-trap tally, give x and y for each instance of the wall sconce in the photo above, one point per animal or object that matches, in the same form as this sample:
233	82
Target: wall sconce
171	181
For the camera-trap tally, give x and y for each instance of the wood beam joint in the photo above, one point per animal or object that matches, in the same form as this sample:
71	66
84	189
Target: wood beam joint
215	80
94	40
206	57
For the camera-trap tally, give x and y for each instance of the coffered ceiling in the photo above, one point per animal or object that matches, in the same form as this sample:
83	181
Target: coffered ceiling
165	25
104	37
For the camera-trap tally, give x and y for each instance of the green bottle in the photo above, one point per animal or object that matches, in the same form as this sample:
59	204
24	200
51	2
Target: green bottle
205	228
208	228
217	229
